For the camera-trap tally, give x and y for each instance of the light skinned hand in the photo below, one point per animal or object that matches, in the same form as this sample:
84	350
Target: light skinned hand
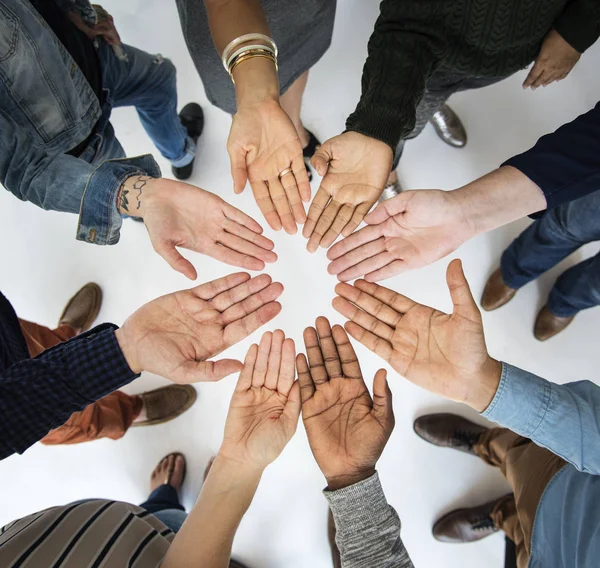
176	335
178	214
105	27
408	231
347	429
556	59
263	143
265	407
442	353
355	169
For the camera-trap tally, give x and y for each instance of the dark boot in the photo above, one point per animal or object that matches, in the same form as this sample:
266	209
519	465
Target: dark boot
449	431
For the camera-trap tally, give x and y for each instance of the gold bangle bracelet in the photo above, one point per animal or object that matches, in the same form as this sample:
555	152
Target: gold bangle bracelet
252	56
246	54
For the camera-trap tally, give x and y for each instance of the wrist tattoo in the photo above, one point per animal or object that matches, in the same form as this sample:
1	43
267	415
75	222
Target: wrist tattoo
139	182
138	185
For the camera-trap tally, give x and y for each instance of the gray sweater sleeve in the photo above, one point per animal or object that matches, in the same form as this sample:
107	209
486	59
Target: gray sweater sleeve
367	528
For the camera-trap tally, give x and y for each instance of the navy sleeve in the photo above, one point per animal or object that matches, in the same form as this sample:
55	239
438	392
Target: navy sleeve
566	163
38	395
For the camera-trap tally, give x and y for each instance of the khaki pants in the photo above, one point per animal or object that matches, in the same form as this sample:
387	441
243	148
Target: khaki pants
528	468
109	417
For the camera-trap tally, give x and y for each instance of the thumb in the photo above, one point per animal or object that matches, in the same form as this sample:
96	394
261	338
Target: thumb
382	399
462	299
321	158
389	208
293	404
176	261
239	171
207	371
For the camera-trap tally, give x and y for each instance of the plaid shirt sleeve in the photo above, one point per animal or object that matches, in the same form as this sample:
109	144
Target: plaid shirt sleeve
38	395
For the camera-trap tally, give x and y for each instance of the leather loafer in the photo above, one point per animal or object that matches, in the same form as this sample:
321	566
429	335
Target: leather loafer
467	525
82	309
448	431
496	293
547	325
449	127
166	403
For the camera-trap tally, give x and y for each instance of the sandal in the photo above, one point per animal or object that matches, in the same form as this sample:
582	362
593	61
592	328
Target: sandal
309	151
171	469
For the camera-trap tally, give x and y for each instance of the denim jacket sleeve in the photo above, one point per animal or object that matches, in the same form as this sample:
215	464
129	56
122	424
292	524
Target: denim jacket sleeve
64	183
562	418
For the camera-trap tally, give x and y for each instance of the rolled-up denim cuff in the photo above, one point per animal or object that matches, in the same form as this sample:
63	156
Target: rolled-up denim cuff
99	218
188	156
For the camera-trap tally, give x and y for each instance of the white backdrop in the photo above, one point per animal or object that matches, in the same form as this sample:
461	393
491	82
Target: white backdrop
43	264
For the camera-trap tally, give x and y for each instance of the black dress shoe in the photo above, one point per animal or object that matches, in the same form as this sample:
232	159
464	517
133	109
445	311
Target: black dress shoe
449	431
468	525
192	118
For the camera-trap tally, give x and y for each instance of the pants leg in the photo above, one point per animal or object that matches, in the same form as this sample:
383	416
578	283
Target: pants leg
439	88
528	468
148	83
560	232
164	504
109	417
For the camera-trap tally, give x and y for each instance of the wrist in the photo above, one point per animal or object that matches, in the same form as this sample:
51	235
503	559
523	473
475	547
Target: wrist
128	350
340	481
256	81
135	194
484	390
234	469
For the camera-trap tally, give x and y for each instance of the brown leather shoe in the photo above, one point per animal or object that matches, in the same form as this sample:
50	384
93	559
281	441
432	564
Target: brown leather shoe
547	325
82	309
448	431
496	293
467	525
166	403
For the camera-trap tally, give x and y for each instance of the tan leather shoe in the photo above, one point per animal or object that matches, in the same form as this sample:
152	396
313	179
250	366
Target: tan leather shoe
496	293
547	325
82	309
166	403
467	525
449	127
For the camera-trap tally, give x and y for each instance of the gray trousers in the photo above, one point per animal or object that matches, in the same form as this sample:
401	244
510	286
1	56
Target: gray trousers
440	86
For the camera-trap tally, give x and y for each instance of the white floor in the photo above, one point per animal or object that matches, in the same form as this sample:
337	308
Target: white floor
285	527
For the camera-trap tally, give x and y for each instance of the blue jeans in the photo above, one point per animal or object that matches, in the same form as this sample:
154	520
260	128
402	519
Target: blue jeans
164	504
148	83
560	232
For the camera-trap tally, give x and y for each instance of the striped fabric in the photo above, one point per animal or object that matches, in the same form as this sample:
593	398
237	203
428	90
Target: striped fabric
87	534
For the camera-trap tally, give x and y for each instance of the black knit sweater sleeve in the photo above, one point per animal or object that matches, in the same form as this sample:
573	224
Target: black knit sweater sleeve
579	24
407	45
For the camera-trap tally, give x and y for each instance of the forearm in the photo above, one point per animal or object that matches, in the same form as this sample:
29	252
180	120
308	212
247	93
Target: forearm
37	395
367	528
497	199
407	45
206	537
563	418
255	79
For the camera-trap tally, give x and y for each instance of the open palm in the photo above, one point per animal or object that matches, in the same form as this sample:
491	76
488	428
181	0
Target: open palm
346	429
443	353
265	406
175	335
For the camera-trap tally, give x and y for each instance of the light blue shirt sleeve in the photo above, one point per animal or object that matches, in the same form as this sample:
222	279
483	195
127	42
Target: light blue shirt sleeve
562	418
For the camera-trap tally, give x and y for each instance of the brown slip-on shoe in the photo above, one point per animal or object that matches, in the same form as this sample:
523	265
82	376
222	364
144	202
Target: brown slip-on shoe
166	403
547	325
467	525
448	431
82	309
496	293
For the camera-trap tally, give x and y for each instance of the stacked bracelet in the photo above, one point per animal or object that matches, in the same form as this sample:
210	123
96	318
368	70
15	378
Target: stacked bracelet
232	57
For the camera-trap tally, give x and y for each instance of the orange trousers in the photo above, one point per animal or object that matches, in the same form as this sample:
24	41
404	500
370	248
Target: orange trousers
109	417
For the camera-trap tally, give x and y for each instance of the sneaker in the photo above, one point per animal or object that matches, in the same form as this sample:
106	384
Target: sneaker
391	190
192	118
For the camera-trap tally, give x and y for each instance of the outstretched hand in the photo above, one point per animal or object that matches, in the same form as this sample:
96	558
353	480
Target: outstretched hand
262	144
175	335
347	430
442	353
355	169
405	232
265	406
